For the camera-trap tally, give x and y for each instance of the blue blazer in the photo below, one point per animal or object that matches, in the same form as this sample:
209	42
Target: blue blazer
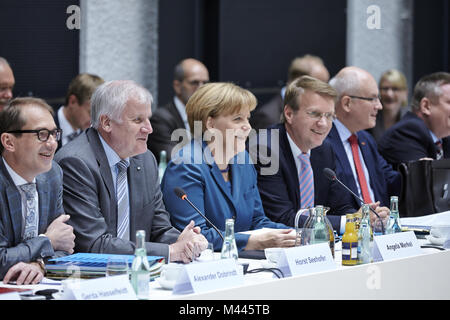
194	170
280	191
384	181
12	248
409	140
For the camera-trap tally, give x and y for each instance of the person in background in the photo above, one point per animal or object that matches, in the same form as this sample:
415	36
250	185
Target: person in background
75	115
33	225
269	113
111	186
424	132
216	173
7	83
394	98
189	75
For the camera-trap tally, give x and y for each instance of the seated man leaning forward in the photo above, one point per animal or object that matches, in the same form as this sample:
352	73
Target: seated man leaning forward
111	186
216	173
32	221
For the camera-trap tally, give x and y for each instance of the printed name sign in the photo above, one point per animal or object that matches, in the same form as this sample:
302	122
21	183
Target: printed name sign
206	276
395	246
306	259
108	288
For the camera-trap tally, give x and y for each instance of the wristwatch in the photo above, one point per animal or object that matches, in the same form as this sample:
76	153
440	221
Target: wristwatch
41	264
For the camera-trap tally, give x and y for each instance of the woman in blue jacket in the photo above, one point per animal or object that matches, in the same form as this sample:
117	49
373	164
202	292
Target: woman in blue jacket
217	174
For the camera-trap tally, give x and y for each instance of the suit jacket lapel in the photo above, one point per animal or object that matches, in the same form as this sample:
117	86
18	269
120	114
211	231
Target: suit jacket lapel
102	161
285	148
367	156
14	200
174	111
44	202
342	159
135	186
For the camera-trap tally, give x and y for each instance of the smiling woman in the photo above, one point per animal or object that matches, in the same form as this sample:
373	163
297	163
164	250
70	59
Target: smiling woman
216	172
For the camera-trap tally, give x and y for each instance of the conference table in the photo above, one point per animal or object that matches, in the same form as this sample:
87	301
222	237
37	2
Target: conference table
424	276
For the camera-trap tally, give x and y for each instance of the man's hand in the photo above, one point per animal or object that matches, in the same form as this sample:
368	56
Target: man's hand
61	234
24	273
383	212
189	244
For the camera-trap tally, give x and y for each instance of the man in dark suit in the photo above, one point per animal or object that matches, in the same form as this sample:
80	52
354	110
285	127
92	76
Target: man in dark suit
7	82
424	132
307	116
189	75
269	113
32	221
111	186
358	163
75	115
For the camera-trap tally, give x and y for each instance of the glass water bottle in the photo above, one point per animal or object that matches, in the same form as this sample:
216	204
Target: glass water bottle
394	225
140	269
162	164
365	237
229	248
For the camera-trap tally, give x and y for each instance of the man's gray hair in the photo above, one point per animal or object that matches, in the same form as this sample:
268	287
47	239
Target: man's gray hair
111	97
345	83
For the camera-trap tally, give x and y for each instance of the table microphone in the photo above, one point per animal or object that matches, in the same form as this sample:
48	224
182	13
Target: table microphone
182	195
331	175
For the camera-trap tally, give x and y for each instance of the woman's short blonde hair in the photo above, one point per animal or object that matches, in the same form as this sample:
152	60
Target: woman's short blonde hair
216	99
395	77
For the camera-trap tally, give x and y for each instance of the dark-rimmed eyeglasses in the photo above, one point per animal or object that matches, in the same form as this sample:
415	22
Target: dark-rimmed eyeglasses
373	99
42	134
330	116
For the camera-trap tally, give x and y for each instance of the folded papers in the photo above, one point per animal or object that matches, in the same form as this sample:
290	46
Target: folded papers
93	265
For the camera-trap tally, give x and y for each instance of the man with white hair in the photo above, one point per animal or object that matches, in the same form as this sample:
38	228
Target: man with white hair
111	186
358	163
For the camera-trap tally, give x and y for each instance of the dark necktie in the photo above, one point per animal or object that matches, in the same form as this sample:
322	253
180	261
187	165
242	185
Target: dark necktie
440	150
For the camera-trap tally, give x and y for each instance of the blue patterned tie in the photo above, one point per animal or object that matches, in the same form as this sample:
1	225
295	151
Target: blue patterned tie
306	181
31	224
123	204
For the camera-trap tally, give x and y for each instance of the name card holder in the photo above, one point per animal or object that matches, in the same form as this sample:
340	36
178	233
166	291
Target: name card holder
107	288
207	276
306	259
395	246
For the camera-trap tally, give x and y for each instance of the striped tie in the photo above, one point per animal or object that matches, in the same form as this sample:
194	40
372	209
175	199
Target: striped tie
123	223
439	150
306	181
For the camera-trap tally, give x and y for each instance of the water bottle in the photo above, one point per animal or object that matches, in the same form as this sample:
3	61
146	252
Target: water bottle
365	237
229	248
140	269
393	225
162	165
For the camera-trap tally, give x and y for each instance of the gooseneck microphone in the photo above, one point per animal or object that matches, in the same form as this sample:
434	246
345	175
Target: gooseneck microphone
331	175
182	195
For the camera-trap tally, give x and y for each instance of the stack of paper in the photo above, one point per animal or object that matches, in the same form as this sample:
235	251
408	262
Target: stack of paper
93	265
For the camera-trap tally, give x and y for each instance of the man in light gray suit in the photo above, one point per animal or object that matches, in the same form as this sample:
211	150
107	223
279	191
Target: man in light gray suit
108	206
32	221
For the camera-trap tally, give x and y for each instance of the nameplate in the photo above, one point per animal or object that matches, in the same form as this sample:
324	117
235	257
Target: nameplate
106	288
207	276
306	259
395	246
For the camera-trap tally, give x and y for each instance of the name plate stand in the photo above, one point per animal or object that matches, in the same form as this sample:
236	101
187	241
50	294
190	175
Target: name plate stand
395	246
306	259
107	288
207	276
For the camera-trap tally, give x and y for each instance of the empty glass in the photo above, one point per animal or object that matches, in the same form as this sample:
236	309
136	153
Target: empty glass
116	265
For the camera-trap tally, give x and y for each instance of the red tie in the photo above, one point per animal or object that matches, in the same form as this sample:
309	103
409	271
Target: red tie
359	170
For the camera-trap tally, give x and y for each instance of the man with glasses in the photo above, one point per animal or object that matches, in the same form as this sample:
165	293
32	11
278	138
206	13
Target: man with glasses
189	75
297	144
358	164
32	220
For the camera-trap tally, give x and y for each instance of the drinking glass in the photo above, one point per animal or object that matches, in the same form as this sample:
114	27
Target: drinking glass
116	266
